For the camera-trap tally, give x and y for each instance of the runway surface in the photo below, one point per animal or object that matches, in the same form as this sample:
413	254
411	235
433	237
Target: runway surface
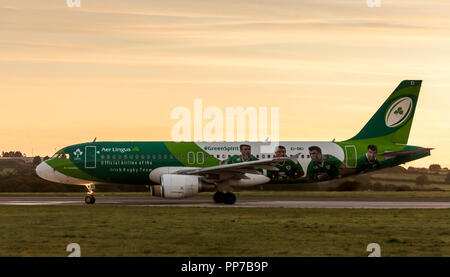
242	202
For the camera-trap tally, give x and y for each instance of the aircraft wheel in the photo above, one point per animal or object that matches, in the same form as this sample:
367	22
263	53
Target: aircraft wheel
219	197
230	198
89	199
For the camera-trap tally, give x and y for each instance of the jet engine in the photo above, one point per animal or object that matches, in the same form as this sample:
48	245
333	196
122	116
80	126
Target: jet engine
177	186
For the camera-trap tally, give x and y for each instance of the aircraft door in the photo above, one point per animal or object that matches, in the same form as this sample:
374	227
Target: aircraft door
350	156
90	160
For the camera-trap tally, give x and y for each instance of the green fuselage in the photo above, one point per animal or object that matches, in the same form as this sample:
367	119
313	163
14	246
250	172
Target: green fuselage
132	162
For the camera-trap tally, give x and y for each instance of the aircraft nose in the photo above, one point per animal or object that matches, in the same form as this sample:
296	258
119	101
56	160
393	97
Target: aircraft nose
44	171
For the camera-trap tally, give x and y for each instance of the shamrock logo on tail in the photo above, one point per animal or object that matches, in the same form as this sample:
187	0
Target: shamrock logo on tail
399	111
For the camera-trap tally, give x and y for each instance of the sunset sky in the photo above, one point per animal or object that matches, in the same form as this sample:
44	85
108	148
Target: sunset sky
116	69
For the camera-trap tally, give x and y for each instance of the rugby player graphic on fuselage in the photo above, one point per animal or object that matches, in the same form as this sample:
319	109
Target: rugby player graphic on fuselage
368	161
323	167
288	170
246	155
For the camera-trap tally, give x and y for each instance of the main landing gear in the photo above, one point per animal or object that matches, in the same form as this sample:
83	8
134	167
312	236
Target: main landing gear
224	197
90	199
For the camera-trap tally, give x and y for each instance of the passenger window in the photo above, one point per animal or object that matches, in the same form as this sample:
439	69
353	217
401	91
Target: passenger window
136	156
303	156
165	156
307	156
130	156
114	157
108	157
159	157
102	157
263	156
125	157
119	157
154	156
148	157
142	156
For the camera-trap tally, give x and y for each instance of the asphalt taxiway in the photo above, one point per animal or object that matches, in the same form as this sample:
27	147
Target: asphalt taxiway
242	202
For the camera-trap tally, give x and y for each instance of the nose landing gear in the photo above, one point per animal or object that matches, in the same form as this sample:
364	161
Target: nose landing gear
90	199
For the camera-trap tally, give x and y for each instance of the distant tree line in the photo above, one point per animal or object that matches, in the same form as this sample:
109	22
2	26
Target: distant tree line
11	154
18	154
433	168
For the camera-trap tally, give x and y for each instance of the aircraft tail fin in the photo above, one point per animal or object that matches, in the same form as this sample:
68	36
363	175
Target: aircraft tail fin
394	118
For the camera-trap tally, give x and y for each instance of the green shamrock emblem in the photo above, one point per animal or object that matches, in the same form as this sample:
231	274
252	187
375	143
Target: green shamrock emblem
399	111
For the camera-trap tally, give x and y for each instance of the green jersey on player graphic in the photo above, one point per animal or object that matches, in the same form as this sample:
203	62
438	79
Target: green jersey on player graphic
328	169
365	165
239	159
287	170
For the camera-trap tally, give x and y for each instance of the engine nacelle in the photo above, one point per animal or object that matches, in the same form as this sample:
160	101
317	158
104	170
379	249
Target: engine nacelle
155	175
177	186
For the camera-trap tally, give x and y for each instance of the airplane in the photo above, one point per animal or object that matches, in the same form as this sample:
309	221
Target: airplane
178	170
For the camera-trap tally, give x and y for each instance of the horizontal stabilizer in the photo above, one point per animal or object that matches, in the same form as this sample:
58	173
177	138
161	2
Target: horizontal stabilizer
391	155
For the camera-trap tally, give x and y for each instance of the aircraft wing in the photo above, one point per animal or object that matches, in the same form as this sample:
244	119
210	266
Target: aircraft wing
391	155
237	170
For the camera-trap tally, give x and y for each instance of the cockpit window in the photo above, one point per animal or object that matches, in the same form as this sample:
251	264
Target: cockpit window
61	155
